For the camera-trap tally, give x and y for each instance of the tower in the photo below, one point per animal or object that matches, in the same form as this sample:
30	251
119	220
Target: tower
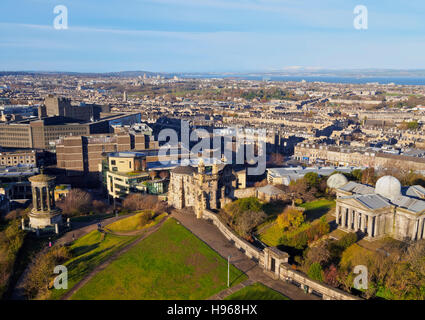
44	212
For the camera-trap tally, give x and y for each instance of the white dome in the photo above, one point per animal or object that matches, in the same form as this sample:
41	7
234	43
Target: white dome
336	181
388	187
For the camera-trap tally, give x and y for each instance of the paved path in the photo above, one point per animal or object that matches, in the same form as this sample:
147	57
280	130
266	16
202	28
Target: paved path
227	292
209	234
80	229
147	232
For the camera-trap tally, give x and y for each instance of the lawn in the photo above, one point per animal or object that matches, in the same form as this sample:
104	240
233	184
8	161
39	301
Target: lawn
257	291
133	223
172	263
316	209
88	252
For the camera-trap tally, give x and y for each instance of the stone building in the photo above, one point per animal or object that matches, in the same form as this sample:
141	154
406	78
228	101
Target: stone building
353	156
44	212
386	210
191	187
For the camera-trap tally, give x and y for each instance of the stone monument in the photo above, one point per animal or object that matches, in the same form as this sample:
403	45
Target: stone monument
44	212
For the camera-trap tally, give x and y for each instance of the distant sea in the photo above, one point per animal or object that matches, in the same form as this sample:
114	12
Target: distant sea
353	80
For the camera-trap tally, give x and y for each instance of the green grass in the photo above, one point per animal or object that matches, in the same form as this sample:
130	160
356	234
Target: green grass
88	252
133	223
316	209
172	263
257	291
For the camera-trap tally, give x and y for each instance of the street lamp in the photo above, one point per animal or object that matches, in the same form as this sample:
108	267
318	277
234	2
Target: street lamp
228	271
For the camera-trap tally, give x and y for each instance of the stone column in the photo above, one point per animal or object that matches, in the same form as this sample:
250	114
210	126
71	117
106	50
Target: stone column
350	219
356	221
343	218
363	223
415	230
376	228
337	209
369	226
44	198
49	198
34	198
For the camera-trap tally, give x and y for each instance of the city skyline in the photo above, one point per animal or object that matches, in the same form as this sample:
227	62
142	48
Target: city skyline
210	36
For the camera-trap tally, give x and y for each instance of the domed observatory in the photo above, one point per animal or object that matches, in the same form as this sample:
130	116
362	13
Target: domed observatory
44	212
336	181
388	187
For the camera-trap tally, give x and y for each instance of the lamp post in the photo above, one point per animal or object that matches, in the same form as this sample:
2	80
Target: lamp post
228	271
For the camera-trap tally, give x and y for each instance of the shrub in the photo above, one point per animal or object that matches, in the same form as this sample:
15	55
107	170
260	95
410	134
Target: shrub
315	272
40	272
347	240
139	201
76	202
331	276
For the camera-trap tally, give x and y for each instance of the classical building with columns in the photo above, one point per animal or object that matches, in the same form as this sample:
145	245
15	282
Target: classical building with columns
44	212
386	210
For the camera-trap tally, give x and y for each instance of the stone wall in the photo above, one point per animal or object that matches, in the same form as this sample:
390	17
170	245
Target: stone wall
249	250
245	193
285	273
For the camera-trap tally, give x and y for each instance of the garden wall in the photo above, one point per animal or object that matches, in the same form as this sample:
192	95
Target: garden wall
285	272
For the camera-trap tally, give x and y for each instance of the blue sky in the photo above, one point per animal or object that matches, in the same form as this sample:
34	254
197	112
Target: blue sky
210	35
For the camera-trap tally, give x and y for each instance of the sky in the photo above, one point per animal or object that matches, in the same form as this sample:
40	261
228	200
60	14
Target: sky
210	35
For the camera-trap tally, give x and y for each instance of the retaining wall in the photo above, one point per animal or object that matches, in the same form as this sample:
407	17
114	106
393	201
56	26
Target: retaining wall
286	273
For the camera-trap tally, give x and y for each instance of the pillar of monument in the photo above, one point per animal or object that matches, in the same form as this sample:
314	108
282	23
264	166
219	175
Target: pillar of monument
344	216
369	226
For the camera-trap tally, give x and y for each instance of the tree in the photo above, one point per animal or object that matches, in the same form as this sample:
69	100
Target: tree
152	174
291	218
76	202
331	276
276	159
139	201
164	174
40	274
369	176
318	254
357	175
315	272
99	206
241	205
249	220
312	179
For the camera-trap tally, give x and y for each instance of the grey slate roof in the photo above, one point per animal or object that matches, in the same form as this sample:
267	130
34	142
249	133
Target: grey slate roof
270	190
358	188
